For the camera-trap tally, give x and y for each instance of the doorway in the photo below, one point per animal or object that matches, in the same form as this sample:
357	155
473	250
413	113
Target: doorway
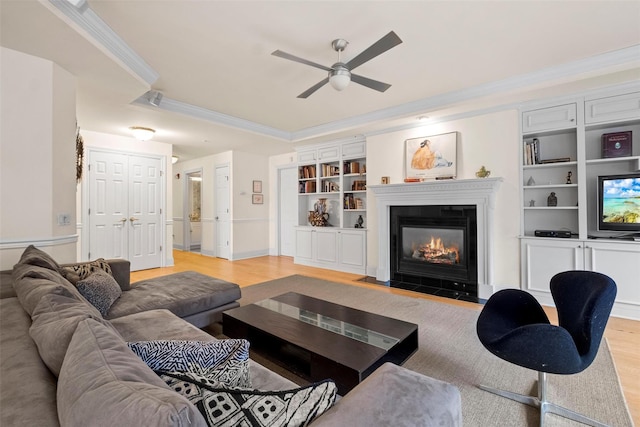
287	210
223	212
193	211
123	200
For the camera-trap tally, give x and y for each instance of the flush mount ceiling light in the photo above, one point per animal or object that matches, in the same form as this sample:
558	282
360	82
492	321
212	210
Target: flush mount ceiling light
174	159
142	133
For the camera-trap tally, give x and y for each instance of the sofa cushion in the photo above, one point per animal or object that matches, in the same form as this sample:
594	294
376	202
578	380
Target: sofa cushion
27	386
82	270
54	322
100	289
245	407
102	383
183	294
224	361
31	283
35	256
421	401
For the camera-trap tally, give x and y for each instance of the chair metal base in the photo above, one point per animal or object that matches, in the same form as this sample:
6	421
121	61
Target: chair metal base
541	402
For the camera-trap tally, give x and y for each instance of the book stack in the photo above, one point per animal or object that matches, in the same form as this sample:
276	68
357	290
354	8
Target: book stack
330	170
532	152
307	187
307	172
351	167
330	187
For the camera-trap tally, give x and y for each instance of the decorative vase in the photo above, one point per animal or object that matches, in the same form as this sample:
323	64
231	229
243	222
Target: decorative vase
319	217
360	221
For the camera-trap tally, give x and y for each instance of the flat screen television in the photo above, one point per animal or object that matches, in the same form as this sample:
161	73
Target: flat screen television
619	202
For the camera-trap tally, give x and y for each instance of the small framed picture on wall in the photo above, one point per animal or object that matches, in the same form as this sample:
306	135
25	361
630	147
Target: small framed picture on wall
257	199
257	186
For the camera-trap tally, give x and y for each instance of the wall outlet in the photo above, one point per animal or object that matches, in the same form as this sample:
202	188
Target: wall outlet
64	219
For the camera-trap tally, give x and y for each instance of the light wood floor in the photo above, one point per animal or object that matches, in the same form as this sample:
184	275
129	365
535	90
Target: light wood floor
622	335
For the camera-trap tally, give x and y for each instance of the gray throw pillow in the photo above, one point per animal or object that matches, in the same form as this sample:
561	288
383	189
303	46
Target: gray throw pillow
102	383
224	361
54	321
244	407
101	290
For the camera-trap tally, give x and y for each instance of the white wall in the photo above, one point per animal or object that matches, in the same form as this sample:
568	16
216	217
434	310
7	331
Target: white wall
489	140
37	157
249	232
276	163
108	142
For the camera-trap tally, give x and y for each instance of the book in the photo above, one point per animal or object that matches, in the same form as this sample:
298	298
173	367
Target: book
616	144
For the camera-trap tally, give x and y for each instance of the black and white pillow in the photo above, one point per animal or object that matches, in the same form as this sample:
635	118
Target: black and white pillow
80	271
223	361
221	406
101	290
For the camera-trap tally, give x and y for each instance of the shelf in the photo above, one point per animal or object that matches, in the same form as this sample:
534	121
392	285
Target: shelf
614	160
346	175
538	187
355	210
551	208
550	165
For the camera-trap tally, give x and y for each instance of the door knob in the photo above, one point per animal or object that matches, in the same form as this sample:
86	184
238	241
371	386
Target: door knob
133	218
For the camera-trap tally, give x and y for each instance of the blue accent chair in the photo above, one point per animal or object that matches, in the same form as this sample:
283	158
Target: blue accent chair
514	327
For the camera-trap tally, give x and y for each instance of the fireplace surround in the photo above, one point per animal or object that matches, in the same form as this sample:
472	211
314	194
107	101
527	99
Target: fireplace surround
475	192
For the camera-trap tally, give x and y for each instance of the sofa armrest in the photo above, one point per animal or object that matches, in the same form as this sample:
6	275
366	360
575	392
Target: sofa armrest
121	269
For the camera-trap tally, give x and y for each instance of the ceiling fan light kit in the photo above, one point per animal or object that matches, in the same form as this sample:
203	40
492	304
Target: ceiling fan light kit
340	73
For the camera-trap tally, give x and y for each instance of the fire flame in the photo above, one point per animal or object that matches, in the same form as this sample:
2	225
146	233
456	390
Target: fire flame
436	252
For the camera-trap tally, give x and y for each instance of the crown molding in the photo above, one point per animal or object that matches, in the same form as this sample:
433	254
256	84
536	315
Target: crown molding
87	22
84	20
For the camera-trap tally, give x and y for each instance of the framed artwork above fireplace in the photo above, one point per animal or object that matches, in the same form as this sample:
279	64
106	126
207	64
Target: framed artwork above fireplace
431	156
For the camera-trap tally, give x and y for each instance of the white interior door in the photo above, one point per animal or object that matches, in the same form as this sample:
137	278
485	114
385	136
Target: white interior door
288	209
124	216
108	212
144	213
223	212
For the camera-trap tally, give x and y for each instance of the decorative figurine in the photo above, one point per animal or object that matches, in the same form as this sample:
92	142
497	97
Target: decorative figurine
483	173
552	200
569	177
360	221
532	203
531	181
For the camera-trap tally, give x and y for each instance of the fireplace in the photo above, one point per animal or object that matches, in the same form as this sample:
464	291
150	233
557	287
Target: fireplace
433	249
480	193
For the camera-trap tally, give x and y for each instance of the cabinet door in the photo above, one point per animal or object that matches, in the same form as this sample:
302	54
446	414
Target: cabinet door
354	149
613	108
353	251
326	246
304	243
543	258
560	117
307	156
329	154
621	262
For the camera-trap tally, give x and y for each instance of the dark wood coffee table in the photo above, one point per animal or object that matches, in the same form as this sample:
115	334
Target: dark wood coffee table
317	339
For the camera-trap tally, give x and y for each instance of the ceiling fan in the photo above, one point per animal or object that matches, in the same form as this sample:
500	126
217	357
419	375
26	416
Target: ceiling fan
340	73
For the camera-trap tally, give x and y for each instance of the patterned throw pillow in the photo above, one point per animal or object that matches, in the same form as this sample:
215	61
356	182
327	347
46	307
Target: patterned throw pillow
76	272
101	290
254	408
223	361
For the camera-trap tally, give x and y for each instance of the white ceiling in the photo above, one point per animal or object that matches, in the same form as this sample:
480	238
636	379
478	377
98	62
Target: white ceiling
213	59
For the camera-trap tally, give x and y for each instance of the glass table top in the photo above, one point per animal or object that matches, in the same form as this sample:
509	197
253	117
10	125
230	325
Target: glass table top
339	327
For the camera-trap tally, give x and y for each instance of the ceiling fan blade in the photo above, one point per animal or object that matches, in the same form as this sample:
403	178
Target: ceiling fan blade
313	88
379	47
373	84
290	57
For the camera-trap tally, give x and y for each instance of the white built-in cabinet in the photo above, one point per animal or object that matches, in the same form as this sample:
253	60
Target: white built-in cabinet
568	139
335	172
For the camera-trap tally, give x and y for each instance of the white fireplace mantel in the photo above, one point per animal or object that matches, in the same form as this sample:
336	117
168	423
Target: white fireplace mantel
478	192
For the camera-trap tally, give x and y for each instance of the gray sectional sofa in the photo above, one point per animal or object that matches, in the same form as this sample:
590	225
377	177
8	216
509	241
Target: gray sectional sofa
63	363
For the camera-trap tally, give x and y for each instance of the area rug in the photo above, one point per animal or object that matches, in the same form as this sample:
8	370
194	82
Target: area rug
449	350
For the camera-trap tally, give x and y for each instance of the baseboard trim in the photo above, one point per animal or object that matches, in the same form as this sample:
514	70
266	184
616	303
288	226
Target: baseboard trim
41	242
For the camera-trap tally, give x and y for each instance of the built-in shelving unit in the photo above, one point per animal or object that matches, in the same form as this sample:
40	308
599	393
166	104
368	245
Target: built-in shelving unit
562	153
334	174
